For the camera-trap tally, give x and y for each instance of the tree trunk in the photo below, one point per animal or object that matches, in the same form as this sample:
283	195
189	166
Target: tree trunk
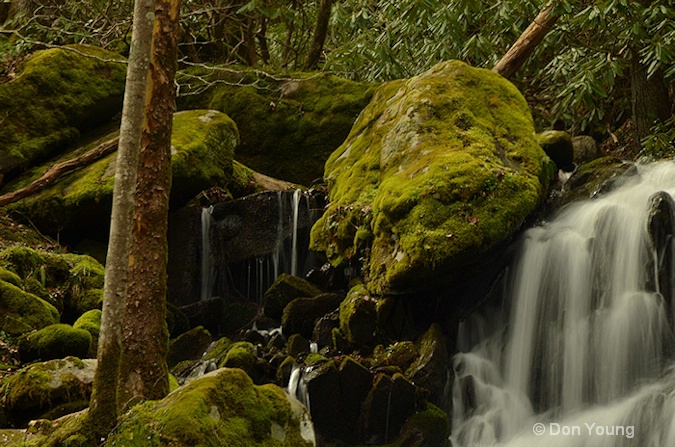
144	373
649	100
319	34
527	42
103	403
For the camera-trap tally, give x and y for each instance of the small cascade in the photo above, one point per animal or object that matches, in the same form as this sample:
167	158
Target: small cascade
207	264
297	385
294	243
581	354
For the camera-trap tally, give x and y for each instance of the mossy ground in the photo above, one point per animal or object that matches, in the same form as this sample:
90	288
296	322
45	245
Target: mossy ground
57	94
288	127
435	171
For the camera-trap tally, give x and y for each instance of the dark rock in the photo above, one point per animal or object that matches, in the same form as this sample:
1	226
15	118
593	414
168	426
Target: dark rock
323	328
285	289
585	149
558	146
277	341
237	314
390	402
660	224
207	313
188	346
596	177
429	371
301	314
297	344
54	342
358	316
428	428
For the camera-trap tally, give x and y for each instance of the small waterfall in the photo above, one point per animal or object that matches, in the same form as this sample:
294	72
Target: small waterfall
207	267
297	385
588	339
294	247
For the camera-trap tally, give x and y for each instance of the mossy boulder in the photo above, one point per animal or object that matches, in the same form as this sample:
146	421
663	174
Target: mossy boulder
79	203
429	370
596	177
42	387
189	345
437	171
54	342
90	321
22	311
56	95
301	314
558	145
288	127
223	407
285	289
358	316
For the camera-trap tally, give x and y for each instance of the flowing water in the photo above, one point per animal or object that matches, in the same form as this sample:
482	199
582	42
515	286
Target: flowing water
580	352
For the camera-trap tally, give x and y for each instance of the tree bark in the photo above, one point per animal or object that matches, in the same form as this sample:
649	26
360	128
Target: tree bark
144	373
319	34
527	42
103	404
57	170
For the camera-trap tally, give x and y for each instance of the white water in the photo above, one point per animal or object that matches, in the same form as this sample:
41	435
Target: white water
586	341
294	246
207	267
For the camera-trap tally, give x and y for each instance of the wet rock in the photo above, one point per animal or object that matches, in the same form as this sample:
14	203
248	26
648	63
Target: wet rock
390	402
188	346
585	149
42	387
358	316
237	314
595	178
401	355
207	313
428	428
323	328
558	145
297	344
285	289
301	314
660	224
429	371
54	342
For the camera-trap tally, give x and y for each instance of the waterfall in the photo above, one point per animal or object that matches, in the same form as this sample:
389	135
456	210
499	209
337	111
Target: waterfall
584	357
294	241
207	265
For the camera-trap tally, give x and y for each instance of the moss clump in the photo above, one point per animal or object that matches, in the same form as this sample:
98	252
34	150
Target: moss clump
436	171
22	311
54	342
220	408
56	94
358	317
90	321
240	355
285	289
288	127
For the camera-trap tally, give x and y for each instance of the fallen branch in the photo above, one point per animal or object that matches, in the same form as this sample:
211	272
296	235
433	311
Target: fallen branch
59	169
527	42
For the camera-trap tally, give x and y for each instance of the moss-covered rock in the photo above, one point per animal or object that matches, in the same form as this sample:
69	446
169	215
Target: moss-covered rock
54	342
596	177
189	345
79	203
23	312
42	387
57	94
288	127
220	408
429	370
301	314
437	170
240	355
90	321
558	146
285	289
358	316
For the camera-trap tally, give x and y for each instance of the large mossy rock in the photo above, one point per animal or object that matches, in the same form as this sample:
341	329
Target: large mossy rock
288	127
54	342
220	408
79	203
23	311
437	170
57	94
48	389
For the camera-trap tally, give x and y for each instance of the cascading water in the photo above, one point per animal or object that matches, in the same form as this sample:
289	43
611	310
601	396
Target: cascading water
207	267
585	357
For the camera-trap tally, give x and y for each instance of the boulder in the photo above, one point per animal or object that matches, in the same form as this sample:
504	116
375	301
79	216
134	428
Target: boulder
660	224
189	345
558	146
285	289
429	371
90	321
358	316
437	171
427	428
288	127
324	326
79	202
223	407
57	94
389	403
221	315
54	342
300	314
595	178
23	312
585	149
43	387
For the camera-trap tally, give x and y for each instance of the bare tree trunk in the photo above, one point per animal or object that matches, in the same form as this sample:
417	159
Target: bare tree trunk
103	403
649	100
144	373
527	42
319	34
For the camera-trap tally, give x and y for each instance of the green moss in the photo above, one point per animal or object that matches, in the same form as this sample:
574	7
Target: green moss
173	383
90	321
240	355
288	127
218	349
284	290
54	342
436	171
10	277
56	94
594	177
558	145
358	317
22	311
221	408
